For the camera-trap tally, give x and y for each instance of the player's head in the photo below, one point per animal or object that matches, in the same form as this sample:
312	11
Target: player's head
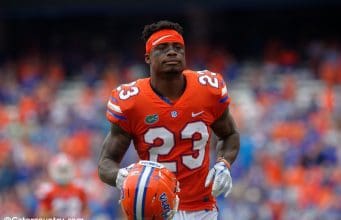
165	47
149	192
61	169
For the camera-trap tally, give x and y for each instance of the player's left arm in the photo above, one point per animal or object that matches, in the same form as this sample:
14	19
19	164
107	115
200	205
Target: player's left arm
226	130
223	124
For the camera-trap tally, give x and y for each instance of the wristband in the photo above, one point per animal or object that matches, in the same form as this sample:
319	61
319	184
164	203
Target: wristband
227	164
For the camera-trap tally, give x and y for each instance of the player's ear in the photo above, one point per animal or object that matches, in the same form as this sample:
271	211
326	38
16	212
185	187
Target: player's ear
147	58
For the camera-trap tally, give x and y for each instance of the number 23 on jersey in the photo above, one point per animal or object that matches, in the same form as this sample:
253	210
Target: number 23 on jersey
168	143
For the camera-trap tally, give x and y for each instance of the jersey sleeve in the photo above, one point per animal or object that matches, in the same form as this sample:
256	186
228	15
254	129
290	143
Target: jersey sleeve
83	198
43	195
118	106
220	99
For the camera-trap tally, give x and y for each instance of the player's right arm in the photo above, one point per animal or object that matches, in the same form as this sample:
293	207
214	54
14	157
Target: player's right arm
43	195
114	147
117	142
43	211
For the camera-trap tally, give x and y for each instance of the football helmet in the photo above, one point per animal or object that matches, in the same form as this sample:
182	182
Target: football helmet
149	192
61	169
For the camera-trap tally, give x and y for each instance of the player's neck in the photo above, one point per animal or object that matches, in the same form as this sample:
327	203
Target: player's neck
172	88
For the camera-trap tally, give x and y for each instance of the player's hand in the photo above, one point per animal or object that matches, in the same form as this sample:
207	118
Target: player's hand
222	180
122	175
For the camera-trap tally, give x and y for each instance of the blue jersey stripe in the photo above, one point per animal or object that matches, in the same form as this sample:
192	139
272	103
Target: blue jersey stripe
224	99
113	99
120	117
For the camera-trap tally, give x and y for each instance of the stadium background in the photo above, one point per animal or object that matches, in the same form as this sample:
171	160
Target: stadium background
281	60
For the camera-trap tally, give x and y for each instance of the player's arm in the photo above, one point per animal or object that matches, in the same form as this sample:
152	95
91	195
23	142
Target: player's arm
114	147
226	130
85	212
43	212
44	200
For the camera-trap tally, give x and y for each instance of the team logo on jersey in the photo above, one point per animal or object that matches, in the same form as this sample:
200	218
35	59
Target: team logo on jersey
151	119
164	204
174	114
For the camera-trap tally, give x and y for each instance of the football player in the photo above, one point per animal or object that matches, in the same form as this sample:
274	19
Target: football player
170	117
62	197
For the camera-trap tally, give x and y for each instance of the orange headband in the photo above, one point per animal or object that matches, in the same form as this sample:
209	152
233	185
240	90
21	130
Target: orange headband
163	36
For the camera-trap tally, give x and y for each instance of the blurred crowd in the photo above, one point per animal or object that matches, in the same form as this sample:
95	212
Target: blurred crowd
286	103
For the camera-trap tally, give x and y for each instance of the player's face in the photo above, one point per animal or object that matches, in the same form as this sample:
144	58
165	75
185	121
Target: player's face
167	58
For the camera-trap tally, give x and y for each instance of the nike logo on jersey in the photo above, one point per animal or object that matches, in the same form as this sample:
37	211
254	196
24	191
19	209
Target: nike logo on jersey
196	114
160	39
